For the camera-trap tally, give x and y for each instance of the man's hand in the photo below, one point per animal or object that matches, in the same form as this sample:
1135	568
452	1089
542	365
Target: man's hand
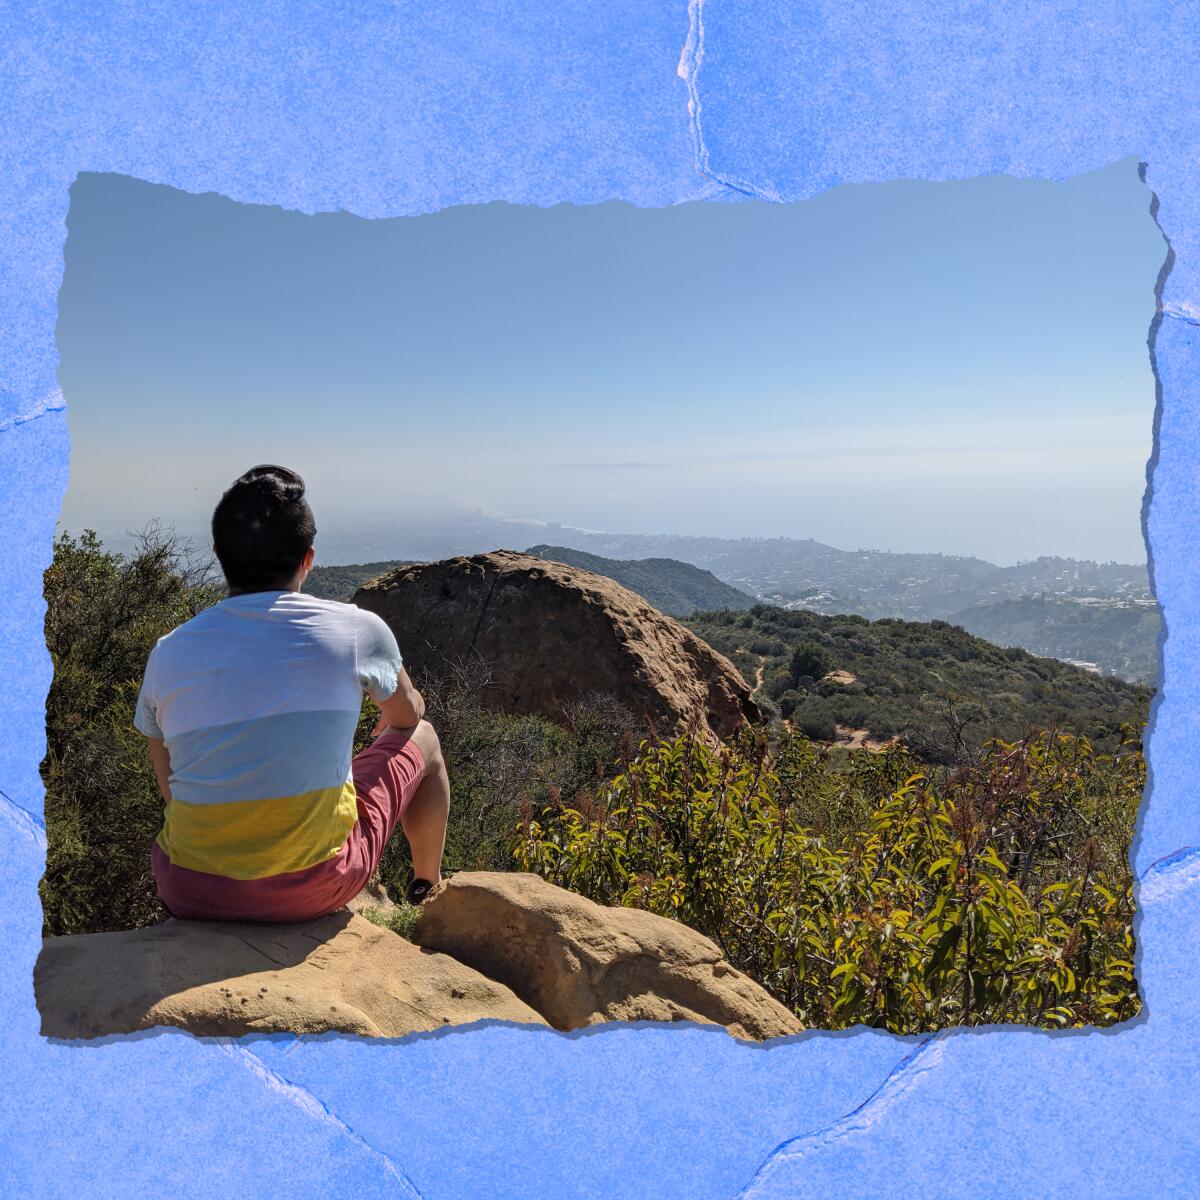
403	708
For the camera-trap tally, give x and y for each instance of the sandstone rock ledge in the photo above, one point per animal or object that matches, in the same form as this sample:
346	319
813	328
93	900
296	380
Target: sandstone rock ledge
509	947
225	978
580	963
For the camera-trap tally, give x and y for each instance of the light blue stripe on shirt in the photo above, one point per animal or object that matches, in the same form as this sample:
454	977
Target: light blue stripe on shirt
287	754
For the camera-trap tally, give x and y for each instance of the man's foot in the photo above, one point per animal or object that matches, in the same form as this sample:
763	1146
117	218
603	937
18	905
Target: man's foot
418	890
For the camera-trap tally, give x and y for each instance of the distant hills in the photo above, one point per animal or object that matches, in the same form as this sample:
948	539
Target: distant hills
1120	637
791	572
912	679
803	573
1101	613
671	586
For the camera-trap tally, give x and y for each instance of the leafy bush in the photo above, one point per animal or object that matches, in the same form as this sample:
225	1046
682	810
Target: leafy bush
402	919
809	659
994	893
104	612
779	683
815	718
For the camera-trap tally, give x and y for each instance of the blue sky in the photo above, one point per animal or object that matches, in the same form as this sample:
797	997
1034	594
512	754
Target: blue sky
906	366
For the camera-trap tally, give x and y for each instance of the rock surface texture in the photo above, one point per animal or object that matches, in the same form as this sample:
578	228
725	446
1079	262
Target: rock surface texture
550	634
227	978
507	947
581	963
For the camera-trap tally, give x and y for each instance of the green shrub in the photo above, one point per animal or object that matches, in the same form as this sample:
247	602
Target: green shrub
402	919
816	718
810	659
104	612
990	894
778	683
768	647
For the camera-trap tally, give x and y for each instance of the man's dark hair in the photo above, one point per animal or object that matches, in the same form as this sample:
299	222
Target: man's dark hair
262	527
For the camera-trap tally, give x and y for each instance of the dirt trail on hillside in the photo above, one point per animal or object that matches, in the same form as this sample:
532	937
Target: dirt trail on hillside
860	739
853	739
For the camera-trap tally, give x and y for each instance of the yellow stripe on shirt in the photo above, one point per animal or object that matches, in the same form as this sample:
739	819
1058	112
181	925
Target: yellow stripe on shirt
254	839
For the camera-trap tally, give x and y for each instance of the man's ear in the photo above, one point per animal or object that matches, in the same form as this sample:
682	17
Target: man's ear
307	562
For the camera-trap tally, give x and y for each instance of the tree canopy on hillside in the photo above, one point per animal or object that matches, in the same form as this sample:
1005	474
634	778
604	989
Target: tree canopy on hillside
931	683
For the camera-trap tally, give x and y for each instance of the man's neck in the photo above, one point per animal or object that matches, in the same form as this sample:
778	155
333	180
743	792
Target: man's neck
294	586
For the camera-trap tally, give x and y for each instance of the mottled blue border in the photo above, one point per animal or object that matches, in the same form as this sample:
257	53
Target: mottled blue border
393	108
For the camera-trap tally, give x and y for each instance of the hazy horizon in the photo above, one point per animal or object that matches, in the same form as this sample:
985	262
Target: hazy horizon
348	545
958	368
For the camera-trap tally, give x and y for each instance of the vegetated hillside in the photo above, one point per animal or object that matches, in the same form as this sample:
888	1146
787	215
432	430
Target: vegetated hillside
934	684
341	582
673	587
1120	637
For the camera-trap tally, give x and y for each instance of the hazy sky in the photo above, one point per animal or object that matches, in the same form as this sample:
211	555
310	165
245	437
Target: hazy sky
906	366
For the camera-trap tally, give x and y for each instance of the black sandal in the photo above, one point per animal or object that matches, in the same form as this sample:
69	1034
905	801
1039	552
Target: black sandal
417	891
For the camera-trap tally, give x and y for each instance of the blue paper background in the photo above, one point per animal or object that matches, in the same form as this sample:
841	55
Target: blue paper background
386	109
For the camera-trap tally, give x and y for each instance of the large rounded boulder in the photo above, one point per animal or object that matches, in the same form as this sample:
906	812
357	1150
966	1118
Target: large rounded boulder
550	635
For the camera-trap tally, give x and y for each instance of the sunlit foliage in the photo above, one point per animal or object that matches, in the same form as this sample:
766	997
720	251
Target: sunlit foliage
888	894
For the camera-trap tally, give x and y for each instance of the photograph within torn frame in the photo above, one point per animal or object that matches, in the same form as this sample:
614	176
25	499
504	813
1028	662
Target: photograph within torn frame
734	613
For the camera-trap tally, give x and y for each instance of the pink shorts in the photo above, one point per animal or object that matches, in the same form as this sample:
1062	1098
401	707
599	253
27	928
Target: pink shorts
386	774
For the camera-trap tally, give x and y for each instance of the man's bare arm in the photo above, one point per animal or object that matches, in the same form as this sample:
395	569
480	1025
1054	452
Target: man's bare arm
404	707
160	760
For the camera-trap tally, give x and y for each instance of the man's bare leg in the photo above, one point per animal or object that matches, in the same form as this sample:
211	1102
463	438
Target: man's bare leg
424	817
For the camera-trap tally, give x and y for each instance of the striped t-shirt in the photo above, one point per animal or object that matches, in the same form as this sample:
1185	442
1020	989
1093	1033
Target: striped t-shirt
257	699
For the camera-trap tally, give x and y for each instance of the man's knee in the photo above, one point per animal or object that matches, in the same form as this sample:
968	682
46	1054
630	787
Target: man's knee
430	746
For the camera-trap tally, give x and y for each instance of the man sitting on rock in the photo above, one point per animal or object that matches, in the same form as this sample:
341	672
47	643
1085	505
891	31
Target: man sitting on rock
250	710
